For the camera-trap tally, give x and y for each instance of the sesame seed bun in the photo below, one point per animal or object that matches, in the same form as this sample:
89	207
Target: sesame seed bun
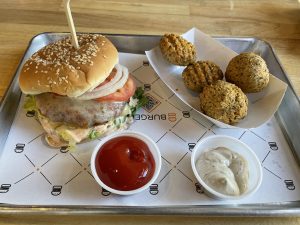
62	69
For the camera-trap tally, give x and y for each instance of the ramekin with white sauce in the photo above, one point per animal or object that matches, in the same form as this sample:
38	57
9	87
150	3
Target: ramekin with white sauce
226	168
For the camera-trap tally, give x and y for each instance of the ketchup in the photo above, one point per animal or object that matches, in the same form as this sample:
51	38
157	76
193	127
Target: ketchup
125	163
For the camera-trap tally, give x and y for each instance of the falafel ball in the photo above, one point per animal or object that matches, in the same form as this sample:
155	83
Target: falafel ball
224	101
248	71
177	50
200	74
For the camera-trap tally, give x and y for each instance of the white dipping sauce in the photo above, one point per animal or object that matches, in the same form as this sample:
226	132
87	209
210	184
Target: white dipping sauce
224	171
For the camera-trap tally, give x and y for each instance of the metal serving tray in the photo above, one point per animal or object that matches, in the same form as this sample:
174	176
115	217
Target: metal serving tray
288	117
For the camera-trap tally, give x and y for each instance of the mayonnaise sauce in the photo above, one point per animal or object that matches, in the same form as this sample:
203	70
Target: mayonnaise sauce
224	171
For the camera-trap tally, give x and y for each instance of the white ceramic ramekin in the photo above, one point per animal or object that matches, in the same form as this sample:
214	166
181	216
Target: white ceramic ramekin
152	147
235	145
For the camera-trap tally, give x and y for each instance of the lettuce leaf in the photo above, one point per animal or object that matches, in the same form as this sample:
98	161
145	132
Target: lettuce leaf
142	100
30	104
94	134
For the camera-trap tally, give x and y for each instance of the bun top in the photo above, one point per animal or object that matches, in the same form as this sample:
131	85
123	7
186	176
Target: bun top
62	69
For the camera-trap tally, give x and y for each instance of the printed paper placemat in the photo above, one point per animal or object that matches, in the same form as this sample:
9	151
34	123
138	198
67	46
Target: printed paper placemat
33	174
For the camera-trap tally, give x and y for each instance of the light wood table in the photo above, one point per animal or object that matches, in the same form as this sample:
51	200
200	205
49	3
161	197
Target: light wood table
277	22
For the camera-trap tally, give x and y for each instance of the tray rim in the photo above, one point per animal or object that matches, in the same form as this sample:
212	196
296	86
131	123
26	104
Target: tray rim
278	210
269	209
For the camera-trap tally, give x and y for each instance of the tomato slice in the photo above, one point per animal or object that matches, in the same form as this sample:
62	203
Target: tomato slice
121	95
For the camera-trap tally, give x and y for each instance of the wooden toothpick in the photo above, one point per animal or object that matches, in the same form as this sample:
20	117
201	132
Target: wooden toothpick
71	23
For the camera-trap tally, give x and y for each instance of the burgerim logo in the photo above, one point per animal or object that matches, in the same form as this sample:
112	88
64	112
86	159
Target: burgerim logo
172	117
152	103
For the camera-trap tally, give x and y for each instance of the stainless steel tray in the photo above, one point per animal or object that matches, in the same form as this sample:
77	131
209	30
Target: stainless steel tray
287	116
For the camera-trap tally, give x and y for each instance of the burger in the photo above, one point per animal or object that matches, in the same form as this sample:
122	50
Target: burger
79	94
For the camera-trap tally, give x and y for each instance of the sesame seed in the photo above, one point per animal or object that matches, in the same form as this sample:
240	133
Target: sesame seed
62	54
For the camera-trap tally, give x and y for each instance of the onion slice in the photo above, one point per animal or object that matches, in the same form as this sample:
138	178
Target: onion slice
112	86
113	81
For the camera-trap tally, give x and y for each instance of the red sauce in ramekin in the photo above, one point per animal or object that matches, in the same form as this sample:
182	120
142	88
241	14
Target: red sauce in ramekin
125	163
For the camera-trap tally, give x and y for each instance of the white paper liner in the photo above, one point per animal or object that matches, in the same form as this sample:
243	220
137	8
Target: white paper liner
33	174
262	105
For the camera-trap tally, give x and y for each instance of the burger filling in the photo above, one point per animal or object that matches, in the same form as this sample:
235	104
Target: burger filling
77	112
69	121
